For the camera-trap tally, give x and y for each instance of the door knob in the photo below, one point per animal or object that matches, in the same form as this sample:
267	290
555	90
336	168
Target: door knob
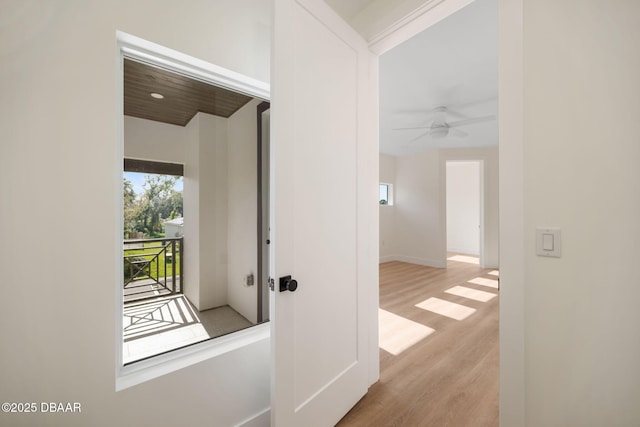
288	284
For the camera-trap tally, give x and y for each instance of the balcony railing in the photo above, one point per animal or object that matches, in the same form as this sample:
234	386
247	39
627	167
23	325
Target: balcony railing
152	268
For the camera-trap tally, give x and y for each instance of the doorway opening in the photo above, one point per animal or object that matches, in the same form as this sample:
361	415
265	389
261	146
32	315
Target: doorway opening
419	139
152	233
464	210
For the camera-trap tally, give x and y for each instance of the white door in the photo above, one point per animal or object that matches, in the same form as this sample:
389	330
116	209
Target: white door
324	215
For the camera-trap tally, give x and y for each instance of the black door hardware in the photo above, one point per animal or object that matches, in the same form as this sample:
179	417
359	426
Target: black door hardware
288	284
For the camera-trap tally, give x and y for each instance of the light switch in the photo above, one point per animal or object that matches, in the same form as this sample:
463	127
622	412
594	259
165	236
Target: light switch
548	243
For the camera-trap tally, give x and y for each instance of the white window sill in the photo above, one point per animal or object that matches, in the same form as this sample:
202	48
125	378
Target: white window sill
145	370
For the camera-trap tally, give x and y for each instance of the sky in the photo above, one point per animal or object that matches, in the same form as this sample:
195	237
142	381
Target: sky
137	179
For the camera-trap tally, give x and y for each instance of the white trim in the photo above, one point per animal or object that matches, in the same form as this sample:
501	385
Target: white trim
428	14
404	21
145	51
511	212
157	366
414	260
141	50
483	216
258	420
334	23
119	209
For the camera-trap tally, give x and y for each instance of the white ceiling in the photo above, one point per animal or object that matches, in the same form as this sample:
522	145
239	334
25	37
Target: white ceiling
454	64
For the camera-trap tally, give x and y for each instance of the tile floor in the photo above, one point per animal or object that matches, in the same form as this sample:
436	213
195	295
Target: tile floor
156	326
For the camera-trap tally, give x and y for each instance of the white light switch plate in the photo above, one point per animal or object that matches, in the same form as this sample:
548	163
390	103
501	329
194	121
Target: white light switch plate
548	241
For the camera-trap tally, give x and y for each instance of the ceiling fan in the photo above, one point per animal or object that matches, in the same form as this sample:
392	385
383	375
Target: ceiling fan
440	128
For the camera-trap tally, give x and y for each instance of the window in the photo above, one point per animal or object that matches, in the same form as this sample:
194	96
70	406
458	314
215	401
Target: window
170	329
386	194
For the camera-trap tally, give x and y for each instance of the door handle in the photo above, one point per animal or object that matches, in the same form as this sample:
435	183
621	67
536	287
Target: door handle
288	284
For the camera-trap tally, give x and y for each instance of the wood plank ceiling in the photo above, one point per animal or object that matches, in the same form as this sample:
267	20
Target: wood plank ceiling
183	96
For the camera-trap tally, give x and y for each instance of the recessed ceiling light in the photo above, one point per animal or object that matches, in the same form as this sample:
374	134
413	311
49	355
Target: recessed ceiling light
157	95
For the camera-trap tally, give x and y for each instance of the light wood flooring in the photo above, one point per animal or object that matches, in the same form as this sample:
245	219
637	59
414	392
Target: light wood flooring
445	372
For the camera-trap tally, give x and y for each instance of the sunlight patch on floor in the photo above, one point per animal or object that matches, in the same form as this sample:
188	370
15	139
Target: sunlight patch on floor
397	333
156	326
494	273
165	341
465	258
154	317
446	308
484	282
473	294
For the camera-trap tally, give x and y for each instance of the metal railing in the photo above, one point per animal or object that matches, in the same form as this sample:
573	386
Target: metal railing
152	267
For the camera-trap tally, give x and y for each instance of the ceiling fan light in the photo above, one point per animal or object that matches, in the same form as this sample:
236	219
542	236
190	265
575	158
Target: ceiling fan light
439	132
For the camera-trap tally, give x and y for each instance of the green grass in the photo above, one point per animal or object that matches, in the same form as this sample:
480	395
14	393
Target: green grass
157	266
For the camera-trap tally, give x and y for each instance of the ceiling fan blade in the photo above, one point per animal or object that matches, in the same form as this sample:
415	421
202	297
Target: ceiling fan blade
420	136
410	128
457	132
456	114
472	121
415	111
410	111
477	102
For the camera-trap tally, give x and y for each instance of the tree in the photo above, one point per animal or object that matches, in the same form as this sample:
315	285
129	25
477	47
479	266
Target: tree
129	206
129	193
158	202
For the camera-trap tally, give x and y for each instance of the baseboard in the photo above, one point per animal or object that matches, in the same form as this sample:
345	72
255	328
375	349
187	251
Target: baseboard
414	260
465	251
262	419
387	258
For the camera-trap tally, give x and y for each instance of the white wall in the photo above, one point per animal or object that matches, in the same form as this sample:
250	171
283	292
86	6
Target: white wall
173	230
463	207
150	140
581	173
417	233
57	321
191	204
387	167
212	213
242	210
420	225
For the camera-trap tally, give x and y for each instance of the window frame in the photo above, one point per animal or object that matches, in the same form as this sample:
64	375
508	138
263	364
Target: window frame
389	194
